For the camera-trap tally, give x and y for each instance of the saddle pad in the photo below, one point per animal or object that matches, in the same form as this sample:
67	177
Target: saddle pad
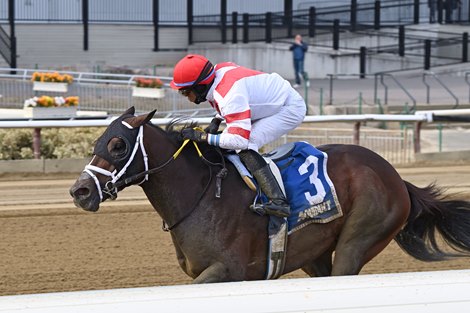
309	190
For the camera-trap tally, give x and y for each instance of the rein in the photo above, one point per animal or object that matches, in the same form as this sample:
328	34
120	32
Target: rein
112	186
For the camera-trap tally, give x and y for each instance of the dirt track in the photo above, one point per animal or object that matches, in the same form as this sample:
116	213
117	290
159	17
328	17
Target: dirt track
48	245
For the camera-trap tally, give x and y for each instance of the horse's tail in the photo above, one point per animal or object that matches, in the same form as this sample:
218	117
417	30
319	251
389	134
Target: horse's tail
431	211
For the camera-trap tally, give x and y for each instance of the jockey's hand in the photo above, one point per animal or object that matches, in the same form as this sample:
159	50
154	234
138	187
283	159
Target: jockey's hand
194	135
213	126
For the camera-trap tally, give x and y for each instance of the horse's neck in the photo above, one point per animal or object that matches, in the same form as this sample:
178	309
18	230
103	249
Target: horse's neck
174	190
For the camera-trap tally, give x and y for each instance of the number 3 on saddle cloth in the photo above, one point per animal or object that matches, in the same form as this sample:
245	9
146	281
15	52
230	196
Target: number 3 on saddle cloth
308	189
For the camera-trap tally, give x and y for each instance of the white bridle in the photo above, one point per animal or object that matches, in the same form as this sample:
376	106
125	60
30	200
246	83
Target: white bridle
92	169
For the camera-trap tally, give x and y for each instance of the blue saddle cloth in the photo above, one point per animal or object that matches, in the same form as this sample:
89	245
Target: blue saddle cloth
309	190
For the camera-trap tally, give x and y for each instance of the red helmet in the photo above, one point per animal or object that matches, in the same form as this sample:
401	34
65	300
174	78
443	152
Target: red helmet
192	70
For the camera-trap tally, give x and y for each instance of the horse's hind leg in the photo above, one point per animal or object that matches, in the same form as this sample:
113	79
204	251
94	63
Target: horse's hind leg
321	267
373	222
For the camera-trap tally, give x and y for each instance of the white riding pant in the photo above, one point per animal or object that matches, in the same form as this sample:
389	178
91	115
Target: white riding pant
273	127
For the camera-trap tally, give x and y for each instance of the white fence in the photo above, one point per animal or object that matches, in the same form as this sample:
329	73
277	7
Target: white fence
396	146
426	292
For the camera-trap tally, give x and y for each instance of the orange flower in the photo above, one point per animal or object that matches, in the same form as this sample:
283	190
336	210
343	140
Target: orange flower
52	77
148	82
71	101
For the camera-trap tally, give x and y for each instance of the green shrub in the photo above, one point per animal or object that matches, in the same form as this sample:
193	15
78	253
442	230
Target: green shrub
56	143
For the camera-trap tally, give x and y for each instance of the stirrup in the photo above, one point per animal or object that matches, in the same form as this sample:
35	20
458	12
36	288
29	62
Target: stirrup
277	208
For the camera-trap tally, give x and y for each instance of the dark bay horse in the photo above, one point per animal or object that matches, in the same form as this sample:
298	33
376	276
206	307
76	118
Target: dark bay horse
220	239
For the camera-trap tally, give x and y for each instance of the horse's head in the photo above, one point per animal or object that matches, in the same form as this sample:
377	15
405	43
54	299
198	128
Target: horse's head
113	156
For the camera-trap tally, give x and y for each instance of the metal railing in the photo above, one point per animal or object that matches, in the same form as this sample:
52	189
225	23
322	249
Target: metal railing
108	92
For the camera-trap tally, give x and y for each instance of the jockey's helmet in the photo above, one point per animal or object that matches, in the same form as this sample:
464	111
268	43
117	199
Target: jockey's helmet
194	72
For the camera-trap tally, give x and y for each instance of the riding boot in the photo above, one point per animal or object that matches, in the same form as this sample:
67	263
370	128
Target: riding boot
277	205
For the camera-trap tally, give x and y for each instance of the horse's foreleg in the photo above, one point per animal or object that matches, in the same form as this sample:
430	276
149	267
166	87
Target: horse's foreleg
321	267
217	272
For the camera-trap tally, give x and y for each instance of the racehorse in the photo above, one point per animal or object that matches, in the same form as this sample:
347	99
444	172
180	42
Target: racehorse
220	239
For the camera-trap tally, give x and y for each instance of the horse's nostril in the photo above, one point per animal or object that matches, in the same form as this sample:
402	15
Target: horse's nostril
79	192
82	192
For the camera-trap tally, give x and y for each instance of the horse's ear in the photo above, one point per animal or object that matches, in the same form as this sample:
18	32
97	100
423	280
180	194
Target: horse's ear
137	121
129	111
150	116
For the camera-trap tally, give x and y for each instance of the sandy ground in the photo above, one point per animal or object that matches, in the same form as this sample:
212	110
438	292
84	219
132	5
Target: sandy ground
48	245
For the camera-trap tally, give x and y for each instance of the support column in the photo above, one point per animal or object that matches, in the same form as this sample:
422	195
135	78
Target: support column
223	20
85	24
189	19
156	19
11	22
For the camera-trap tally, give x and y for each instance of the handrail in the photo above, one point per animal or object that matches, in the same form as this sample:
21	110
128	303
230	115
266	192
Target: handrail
332	77
429	73
399	85
468	83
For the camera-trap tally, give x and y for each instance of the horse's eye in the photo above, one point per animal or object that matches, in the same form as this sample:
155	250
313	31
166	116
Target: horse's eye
117	147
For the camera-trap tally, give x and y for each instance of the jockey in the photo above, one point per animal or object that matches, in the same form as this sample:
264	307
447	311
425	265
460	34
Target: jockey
257	108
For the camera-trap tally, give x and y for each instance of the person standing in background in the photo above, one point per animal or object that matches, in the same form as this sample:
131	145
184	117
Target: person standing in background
298	49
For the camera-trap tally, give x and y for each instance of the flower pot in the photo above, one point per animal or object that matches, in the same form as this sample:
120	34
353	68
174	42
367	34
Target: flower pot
50	112
47	86
148	92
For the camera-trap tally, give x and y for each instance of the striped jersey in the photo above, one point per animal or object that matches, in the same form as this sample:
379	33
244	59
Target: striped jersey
242	96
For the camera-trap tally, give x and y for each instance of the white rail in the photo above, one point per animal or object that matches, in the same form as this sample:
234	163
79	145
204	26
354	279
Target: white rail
205	120
443	291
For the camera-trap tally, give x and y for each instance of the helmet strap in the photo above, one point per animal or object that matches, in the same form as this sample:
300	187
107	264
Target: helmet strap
201	90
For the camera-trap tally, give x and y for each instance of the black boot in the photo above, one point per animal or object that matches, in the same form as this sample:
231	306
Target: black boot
277	205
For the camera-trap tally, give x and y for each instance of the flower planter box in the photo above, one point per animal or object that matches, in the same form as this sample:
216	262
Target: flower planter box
47	86
155	93
52	112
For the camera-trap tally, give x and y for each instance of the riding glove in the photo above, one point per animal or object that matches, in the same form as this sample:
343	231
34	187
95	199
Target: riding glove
213	126
194	135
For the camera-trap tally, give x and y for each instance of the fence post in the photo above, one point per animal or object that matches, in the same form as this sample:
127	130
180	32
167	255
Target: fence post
427	54
353	16
288	16
336	34
465	47
401	40
11	22
269	27
155	18
37	143
417	137
223	20
189	18
362	62
312	21
440	7
377	15
356	136
234	27
246	20
85	24
416	12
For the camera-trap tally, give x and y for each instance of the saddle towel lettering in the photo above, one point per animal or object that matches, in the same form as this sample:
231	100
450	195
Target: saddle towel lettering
309	190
